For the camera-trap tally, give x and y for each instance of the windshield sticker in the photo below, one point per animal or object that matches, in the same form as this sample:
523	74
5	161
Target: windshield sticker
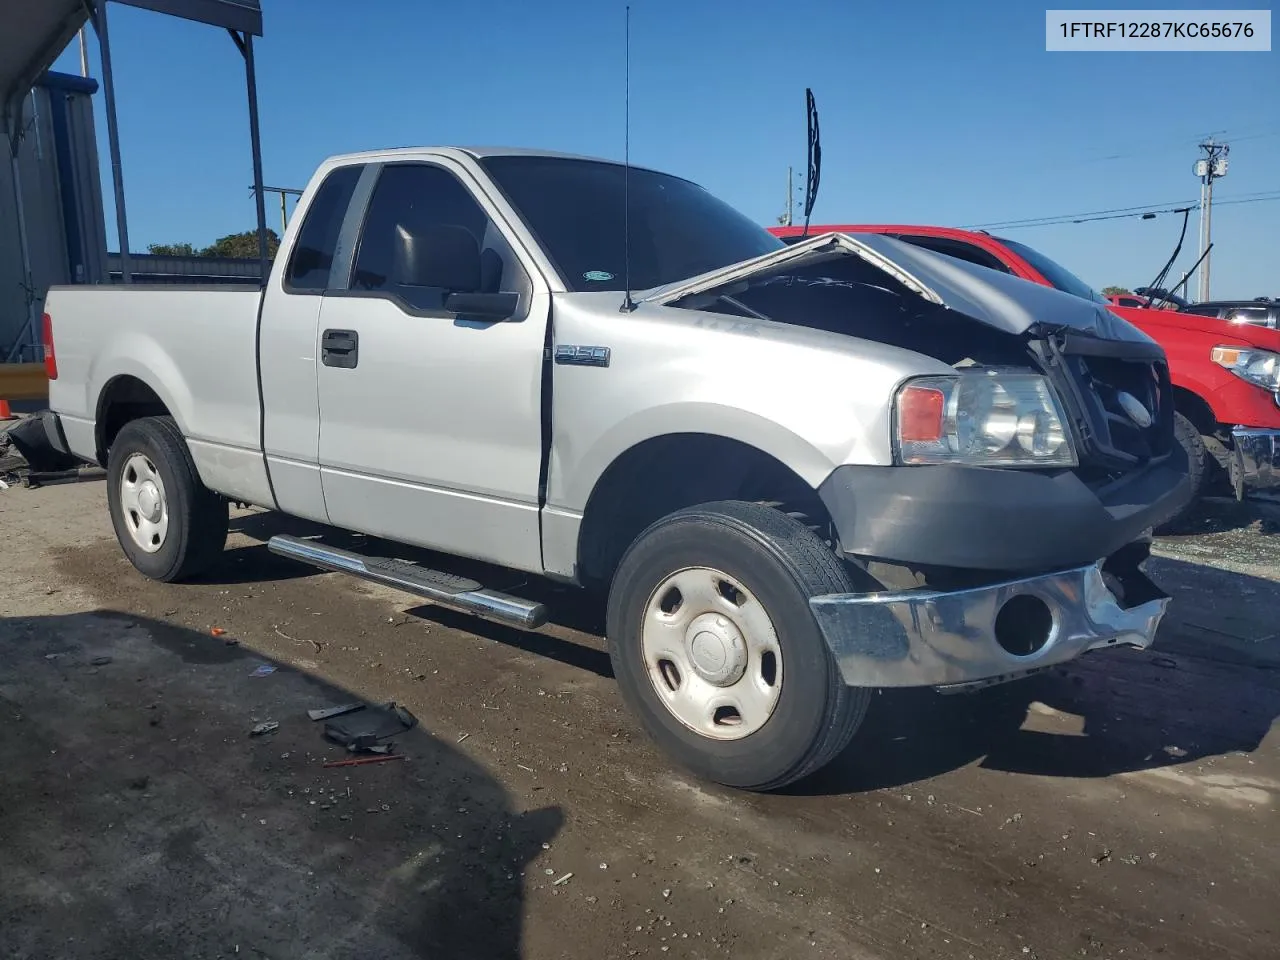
597	275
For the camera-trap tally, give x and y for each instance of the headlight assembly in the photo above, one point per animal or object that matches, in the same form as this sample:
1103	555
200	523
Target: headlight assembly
982	419
1259	367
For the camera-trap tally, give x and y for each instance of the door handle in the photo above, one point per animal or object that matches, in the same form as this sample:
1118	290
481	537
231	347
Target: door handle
340	348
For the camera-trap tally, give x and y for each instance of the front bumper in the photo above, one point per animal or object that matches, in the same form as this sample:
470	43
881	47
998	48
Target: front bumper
986	634
1255	460
1006	521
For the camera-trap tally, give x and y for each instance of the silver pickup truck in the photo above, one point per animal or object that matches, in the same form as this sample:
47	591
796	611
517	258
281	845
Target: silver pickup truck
797	473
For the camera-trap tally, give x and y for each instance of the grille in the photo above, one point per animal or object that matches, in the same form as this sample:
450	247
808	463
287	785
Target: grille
1117	395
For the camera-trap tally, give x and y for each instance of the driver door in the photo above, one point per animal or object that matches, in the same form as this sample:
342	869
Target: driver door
430	422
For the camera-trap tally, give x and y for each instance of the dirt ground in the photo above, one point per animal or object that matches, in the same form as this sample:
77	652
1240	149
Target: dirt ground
1125	806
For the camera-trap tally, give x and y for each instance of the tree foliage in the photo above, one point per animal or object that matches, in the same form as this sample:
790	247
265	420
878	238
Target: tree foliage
242	245
1115	291
173	250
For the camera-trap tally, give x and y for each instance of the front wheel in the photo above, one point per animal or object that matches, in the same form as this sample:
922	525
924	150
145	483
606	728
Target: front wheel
169	524
1199	467
715	647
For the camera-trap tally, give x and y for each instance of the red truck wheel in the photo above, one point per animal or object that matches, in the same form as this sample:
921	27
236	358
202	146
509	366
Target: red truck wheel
1198	468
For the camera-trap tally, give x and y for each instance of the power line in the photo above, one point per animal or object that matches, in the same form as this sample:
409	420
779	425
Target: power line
1117	213
1152	148
1225	203
1031	221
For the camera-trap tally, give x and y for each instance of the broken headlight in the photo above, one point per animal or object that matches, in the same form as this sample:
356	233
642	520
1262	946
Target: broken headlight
983	419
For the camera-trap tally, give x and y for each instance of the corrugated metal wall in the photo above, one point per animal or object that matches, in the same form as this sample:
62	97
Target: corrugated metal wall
61	203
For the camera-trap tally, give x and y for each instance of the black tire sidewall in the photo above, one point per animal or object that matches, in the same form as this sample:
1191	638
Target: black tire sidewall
1188	437
143	436
804	704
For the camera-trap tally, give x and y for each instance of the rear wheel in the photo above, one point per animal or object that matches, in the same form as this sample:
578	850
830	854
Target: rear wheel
715	647
170	526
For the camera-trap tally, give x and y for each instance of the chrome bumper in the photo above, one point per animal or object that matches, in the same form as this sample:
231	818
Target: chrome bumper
927	638
1255	459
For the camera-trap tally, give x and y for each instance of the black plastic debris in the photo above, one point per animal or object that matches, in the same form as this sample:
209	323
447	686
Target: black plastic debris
367	730
33	443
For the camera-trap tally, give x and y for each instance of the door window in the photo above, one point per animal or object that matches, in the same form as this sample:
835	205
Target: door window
426	236
955	248
312	256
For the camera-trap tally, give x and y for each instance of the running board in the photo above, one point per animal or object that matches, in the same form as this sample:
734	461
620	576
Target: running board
458	593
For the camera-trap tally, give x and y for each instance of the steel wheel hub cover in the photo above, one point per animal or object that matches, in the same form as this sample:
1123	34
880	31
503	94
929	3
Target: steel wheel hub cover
149	501
716	649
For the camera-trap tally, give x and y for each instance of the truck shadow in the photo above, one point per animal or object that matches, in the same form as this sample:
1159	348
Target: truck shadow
142	819
1209	686
577	617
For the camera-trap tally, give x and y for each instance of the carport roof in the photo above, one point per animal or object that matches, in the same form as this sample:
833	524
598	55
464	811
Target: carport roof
34	32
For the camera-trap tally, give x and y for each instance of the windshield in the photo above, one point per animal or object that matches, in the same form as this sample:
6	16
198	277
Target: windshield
575	209
1058	275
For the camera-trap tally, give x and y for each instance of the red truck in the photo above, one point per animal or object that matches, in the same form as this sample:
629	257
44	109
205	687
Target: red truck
1226	376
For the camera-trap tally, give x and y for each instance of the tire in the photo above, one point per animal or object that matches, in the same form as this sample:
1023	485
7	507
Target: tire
170	526
1199	467
766	561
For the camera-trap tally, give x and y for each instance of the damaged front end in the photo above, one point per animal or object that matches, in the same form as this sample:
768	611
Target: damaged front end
993	633
984	560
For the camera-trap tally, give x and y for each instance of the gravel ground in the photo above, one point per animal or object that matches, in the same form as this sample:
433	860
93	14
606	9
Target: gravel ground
1123	807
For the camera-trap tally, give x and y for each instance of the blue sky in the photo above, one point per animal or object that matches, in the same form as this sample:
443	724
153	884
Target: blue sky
936	112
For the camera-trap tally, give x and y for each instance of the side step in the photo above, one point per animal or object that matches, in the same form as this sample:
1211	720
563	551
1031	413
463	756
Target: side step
458	593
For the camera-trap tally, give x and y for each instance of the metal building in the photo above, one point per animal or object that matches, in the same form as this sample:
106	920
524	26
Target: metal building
51	217
54	203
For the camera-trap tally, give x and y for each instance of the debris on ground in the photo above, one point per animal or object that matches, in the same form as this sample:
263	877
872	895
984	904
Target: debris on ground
264	670
99	661
364	731
269	726
313	643
324	713
361	761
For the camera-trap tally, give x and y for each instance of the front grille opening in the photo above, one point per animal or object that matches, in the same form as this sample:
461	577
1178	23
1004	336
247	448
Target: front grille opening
1130	406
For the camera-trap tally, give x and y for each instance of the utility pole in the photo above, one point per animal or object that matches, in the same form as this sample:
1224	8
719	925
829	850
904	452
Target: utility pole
790	195
284	210
787	218
1212	166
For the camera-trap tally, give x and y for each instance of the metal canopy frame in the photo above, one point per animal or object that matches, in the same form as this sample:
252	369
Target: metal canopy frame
39	30
242	19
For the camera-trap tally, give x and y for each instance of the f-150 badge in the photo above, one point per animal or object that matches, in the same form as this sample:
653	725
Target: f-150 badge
582	356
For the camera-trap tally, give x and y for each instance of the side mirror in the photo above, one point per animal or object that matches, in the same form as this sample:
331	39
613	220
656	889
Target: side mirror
441	255
482	306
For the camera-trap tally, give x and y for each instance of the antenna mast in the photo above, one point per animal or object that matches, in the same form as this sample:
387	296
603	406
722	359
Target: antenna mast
627	303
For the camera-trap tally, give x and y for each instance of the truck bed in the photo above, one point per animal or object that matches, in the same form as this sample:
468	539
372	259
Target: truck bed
108	338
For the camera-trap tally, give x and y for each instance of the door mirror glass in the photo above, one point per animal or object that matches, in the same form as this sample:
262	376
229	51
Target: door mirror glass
442	255
483	306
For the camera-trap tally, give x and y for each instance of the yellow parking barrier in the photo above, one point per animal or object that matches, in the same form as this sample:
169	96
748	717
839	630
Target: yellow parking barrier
22	381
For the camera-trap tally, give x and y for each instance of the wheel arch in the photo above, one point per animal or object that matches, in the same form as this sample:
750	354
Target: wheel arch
661	474
123	398
1196	409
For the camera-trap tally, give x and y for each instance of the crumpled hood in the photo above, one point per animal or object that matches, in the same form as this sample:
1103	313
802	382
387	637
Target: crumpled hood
1000	300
